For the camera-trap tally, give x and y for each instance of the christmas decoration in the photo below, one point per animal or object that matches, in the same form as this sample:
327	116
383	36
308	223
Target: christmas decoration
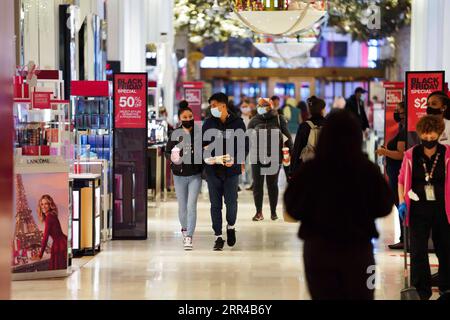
204	24
353	17
279	17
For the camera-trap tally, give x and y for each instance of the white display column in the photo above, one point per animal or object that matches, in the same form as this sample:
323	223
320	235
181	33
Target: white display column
134	24
430	40
115	30
162	33
7	62
41	33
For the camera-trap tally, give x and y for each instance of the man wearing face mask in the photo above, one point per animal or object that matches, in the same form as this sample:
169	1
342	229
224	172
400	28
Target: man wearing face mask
424	194
439	105
394	152
268	119
223	177
355	104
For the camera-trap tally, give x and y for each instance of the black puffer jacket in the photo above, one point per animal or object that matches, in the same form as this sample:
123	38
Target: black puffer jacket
186	170
225	131
273	120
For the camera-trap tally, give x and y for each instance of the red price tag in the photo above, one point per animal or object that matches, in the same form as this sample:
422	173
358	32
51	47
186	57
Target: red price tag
42	100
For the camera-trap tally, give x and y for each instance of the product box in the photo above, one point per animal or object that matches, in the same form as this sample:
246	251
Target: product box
99	142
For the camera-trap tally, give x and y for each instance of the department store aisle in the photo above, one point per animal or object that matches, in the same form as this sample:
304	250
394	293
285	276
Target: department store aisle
265	264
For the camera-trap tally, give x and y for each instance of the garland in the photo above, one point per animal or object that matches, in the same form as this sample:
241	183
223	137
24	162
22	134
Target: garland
348	17
204	25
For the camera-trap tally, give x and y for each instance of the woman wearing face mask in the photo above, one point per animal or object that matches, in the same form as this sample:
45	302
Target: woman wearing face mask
187	172
424	194
246	179
246	112
268	119
394	152
439	104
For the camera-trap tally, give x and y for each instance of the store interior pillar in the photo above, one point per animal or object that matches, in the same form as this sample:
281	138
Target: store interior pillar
6	159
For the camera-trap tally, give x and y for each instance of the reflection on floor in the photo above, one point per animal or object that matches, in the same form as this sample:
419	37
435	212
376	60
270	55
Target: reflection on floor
265	265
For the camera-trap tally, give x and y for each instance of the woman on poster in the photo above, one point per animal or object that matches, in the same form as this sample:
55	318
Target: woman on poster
48	214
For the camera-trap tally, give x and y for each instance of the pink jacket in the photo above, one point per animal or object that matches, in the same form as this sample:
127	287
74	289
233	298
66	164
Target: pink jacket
405	180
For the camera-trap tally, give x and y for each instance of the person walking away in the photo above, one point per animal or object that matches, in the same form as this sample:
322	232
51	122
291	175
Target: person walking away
223	177
187	175
394	152
355	104
304	113
268	119
439	104
424	190
308	133
337	196
292	115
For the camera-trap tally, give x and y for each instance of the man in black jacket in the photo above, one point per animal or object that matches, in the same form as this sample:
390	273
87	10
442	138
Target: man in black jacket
355	104
267	121
220	138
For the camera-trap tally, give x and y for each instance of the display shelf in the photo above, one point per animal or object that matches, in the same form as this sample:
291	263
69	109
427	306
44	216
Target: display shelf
43	149
100	167
125	195
93	131
86	214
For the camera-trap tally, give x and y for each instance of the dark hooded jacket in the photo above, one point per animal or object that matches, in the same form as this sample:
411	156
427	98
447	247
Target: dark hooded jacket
273	120
226	131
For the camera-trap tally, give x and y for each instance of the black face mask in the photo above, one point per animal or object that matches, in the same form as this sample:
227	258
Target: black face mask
397	117
434	112
188	124
430	144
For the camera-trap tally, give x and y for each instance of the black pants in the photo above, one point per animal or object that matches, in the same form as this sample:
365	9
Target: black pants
220	189
426	218
393	183
339	272
258	189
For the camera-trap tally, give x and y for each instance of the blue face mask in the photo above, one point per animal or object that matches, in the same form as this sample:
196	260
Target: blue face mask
262	111
216	113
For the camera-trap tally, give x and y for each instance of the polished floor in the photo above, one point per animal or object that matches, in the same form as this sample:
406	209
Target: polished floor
265	264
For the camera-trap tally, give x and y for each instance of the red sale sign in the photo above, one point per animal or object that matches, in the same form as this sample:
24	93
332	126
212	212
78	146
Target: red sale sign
193	94
130	100
42	100
419	85
394	95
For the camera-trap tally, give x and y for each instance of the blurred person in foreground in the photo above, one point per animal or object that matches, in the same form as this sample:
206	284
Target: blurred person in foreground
337	196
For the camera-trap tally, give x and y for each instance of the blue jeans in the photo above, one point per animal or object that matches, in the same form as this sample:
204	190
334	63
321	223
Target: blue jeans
219	188
188	189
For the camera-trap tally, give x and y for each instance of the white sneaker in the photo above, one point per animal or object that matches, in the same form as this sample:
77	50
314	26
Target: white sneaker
188	244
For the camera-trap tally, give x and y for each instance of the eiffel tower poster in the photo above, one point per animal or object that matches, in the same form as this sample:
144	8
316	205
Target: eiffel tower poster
27	235
29	229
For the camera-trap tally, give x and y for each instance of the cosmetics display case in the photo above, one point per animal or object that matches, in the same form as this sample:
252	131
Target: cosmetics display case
93	134
43	149
86	214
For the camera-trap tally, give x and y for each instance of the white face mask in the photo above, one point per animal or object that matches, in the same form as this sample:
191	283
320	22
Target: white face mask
245	110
